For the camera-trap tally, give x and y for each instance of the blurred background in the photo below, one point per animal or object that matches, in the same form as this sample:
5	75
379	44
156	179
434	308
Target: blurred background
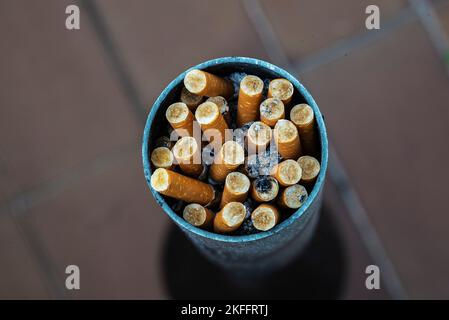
74	103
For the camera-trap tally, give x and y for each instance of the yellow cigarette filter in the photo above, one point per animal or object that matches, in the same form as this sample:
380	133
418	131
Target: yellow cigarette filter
287	173
271	110
281	89
258	137
180	118
223	107
264	189
265	217
198	216
235	189
190	99
310	170
188	155
212	123
287	139
293	197
250	97
162	157
303	117
229	218
178	186
206	84
230	156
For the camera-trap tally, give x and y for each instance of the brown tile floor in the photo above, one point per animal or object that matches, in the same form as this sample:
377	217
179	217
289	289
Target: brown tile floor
63	105
389	120
157	42
109	226
70	132
306	27
22	277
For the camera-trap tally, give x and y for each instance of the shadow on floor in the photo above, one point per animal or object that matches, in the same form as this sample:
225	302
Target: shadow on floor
319	273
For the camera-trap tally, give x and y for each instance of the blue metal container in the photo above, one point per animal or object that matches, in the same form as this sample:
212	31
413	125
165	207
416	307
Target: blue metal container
258	252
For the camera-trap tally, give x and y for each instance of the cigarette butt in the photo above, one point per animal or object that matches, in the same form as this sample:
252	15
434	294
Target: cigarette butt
265	217
303	117
206	84
198	216
162	157
235	189
281	89
188	155
310	170
264	189
271	110
250	97
178	186
229	218
287	172
230	156
190	99
180	118
287	139
164	141
223	107
211	121
259	136
293	197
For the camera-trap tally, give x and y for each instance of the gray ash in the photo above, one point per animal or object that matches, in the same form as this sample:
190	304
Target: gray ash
264	184
250	205
239	134
246	228
262	163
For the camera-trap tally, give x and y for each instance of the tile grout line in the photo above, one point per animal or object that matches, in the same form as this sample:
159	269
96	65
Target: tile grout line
344	46
115	59
431	23
21	203
357	212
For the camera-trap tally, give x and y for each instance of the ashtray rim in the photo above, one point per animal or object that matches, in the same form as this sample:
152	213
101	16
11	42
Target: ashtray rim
323	138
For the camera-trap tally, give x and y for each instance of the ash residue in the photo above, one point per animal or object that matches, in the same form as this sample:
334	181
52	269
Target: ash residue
264	184
250	205
261	163
240	134
246	228
236	78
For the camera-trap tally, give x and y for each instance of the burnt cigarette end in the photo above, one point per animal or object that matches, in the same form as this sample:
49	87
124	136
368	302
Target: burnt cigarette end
185	148
162	157
302	115
232	153
288	172
281	89
230	217
265	217
259	134
265	188
195	214
221	103
160	180
233	214
293	197
271	110
310	168
195	81
237	183
207	112
251	85
177	113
